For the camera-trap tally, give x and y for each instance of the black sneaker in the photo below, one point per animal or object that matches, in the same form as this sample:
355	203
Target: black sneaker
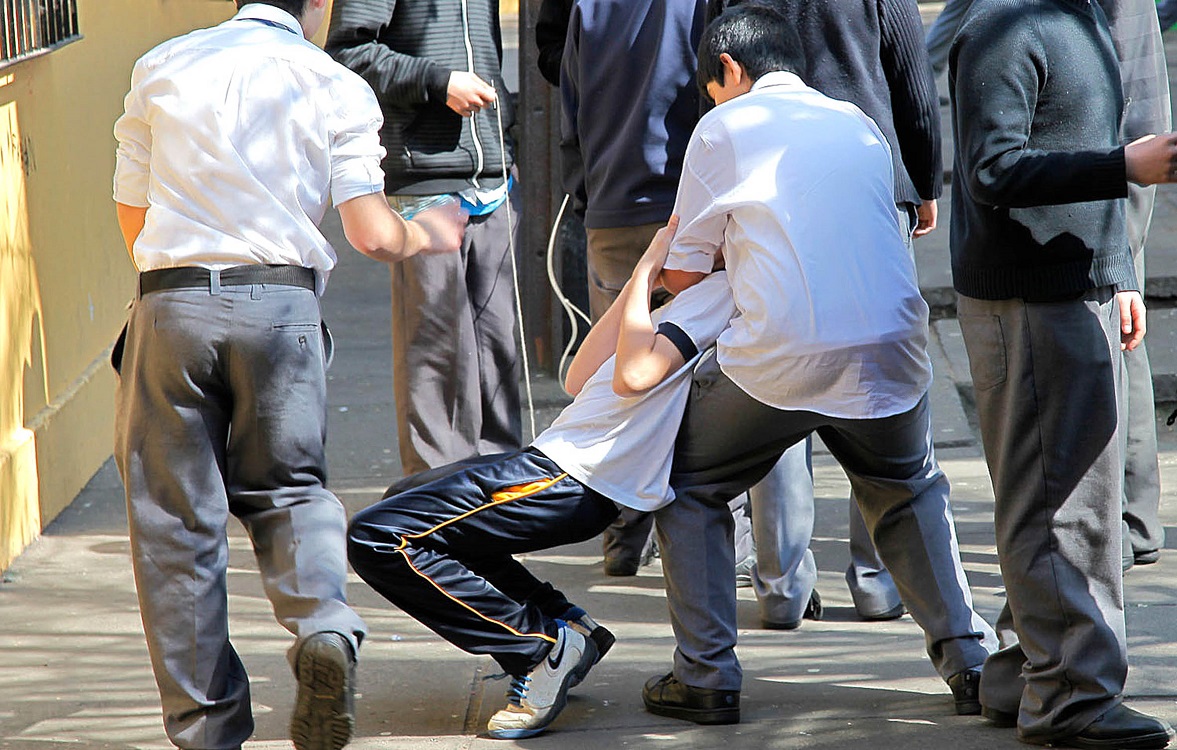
666	696
324	711
966	692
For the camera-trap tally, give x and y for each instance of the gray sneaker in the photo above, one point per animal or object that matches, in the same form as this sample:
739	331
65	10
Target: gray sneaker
537	698
744	571
324	711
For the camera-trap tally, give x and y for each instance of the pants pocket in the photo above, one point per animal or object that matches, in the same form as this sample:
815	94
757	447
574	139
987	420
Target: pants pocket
328	345
116	354
984	341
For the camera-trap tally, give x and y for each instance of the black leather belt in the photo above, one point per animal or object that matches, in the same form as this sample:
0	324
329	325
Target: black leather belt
192	277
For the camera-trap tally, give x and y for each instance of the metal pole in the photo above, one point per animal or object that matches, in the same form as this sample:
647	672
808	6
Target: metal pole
538	160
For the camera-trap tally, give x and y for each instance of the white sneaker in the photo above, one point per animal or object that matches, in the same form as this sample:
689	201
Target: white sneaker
537	698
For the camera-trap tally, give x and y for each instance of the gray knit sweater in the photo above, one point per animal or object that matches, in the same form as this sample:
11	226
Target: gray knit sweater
406	50
1039	170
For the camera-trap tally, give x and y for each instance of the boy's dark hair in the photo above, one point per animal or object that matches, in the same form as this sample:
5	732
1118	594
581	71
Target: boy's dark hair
759	38
295	8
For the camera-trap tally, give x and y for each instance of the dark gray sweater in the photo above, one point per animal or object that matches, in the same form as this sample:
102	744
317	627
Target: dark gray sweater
1039	170
871	53
406	50
628	105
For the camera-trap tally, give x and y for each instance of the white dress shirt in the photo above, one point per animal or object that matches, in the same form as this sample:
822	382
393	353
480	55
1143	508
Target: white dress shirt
797	189
235	138
622	447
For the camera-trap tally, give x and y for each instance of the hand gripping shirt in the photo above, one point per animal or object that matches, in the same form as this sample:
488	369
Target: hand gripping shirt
622	447
797	190
235	137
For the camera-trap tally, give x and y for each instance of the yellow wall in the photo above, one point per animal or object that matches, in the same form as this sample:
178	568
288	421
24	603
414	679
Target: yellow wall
65	278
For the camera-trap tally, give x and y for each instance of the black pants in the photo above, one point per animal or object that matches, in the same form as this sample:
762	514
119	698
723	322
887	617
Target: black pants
442	550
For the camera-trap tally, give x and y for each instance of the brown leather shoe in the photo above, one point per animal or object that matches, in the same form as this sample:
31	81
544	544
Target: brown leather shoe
666	696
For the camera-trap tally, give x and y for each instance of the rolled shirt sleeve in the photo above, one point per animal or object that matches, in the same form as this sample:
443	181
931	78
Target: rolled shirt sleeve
707	176
355	146
133	157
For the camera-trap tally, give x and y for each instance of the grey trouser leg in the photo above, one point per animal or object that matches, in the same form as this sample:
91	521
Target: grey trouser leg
1046	376
222	410
871	586
942	31
782	525
1142	486
455	348
728	441
1142	480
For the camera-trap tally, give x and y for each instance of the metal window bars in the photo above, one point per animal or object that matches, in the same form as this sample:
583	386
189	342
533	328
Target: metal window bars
30	27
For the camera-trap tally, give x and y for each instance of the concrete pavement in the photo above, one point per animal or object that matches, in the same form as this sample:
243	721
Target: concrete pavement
74	670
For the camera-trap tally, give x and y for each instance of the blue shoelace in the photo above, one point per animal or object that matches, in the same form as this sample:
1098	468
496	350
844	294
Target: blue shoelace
518	690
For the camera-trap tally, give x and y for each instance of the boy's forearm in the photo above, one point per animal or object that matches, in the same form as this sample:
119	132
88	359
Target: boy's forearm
598	346
675	281
641	363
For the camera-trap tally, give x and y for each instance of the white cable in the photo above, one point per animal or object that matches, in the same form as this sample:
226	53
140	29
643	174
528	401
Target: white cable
570	309
515	269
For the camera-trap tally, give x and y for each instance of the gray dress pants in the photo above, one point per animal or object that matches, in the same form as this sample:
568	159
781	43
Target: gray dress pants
1046	378
455	348
1143	529
221	410
782	513
942	32
728	441
782	526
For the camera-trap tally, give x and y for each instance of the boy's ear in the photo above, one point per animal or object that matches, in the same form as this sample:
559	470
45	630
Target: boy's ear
733	72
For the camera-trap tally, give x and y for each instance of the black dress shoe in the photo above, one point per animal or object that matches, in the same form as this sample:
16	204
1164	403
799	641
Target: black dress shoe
666	696
966	691
813	611
619	565
1000	719
891	614
1121	728
1146	557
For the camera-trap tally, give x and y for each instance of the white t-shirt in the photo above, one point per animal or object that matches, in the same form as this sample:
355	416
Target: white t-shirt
235	138
622	447
797	189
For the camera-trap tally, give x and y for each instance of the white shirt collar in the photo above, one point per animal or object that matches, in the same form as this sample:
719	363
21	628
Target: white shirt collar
778	78
269	13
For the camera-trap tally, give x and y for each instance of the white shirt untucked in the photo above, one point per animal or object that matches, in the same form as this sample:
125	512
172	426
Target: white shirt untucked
797	190
235	137
622	447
